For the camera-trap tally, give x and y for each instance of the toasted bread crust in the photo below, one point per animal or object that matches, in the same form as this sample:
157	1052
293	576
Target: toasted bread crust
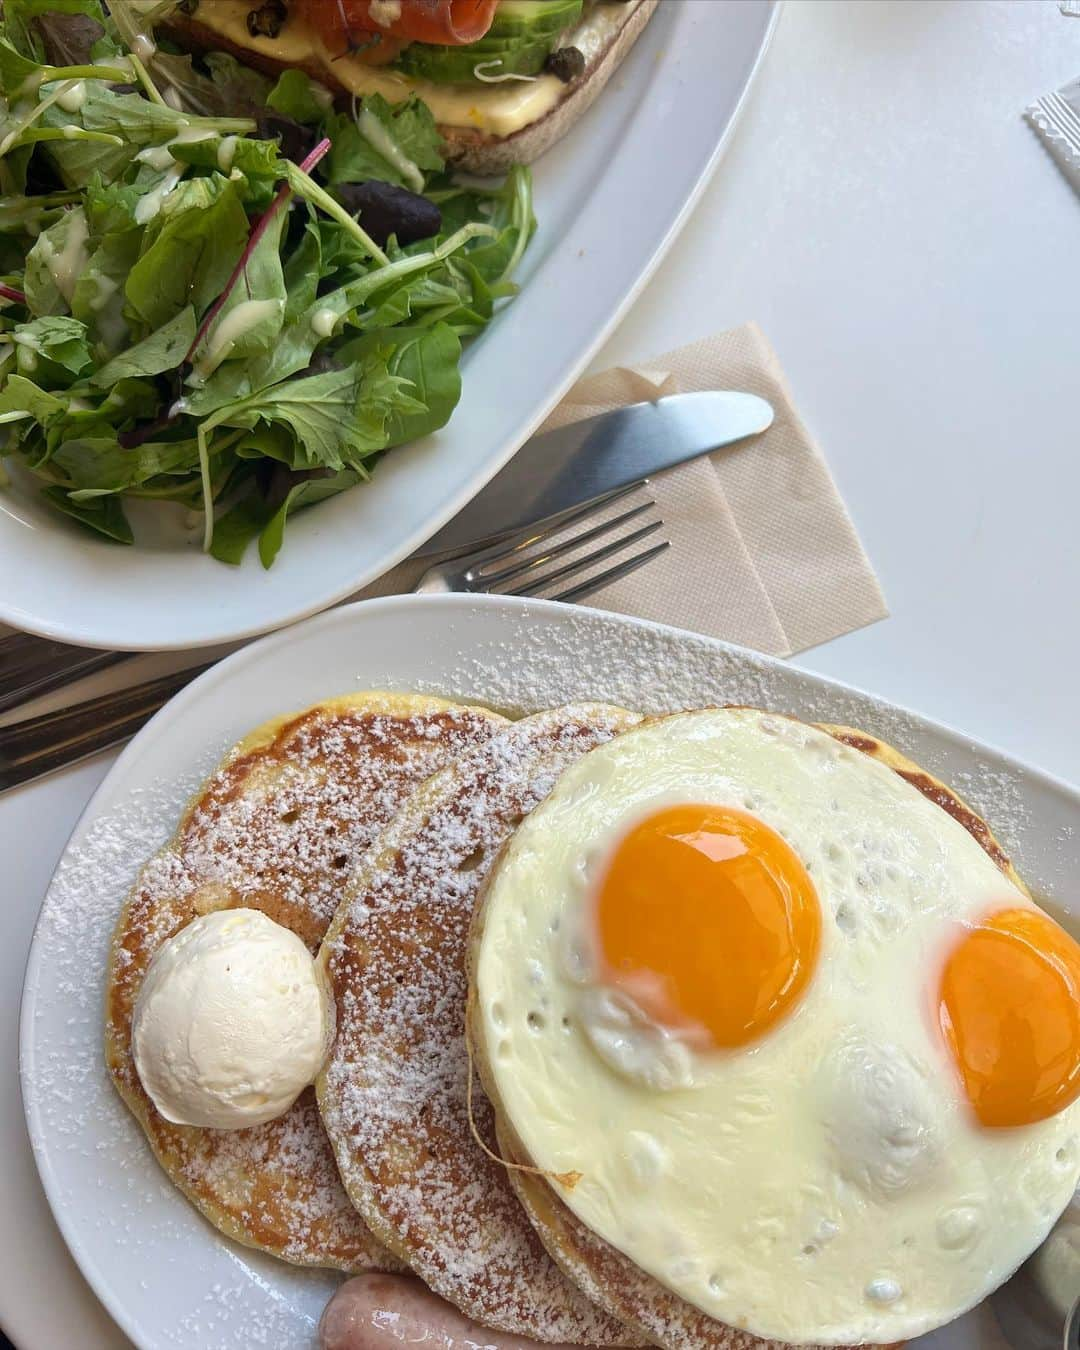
472	150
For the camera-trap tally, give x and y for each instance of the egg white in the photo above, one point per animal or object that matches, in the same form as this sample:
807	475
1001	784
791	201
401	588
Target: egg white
827	1182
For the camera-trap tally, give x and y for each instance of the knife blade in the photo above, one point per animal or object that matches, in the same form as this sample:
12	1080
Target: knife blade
574	465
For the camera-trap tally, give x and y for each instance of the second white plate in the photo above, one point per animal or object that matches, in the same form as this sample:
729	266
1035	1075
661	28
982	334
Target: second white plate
164	1274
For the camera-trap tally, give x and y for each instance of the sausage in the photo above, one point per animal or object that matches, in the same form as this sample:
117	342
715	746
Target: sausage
382	1312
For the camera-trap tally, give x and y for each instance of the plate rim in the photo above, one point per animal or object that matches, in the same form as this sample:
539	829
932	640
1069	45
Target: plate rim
107	637
83	1254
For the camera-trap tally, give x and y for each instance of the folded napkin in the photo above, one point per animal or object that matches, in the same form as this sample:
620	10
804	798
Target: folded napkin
1055	119
763	552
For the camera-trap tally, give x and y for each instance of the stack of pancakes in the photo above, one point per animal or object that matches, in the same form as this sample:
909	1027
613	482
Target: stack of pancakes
368	825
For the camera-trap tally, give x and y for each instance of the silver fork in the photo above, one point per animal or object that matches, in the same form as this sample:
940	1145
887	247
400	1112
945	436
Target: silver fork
523	565
515	569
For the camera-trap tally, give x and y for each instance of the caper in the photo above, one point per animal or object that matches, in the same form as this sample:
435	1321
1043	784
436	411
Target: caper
266	21
386	210
568	63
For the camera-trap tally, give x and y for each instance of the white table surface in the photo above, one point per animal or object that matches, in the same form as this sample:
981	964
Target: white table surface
895	228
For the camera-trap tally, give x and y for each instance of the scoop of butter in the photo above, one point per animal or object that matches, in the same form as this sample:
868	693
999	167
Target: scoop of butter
232	1021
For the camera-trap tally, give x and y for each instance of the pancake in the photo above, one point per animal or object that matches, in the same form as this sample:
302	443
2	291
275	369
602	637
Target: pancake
394	1092
278	827
599	1269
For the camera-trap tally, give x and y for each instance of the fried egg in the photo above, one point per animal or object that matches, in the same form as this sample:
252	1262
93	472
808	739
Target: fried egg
815	1058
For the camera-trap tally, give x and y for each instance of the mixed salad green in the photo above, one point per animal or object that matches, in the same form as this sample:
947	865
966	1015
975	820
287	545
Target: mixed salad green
218	290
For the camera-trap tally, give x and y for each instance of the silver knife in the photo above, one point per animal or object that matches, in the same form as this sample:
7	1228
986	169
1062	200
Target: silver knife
576	464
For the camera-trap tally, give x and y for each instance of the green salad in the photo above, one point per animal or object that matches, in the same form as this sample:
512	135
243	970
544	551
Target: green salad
217	290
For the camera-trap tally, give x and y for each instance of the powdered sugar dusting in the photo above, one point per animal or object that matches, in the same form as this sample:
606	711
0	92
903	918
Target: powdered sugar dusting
395	1092
542	656
279	827
137	1239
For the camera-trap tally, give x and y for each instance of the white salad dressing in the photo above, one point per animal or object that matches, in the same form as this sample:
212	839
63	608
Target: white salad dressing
224	336
227	153
190	135
66	264
384	144
149	204
105	289
157	156
143	47
72	96
323	321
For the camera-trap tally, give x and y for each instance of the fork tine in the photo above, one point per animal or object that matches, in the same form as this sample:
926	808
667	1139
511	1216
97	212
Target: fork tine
535	584
622	569
1061	120
505	545
557	550
1067	117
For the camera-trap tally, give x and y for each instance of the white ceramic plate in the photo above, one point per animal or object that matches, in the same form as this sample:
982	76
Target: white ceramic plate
165	1275
609	199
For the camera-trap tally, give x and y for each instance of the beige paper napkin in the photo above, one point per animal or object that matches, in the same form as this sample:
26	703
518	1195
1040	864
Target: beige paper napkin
763	552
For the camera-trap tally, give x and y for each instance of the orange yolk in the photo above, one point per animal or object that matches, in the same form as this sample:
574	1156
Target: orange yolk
1010	1012
709	921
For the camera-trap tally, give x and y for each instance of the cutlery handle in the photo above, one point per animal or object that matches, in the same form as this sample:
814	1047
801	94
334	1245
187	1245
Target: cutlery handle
39	745
30	666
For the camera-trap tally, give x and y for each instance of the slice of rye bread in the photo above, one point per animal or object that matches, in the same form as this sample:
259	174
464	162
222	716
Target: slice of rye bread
395	1092
600	1270
470	149
278	827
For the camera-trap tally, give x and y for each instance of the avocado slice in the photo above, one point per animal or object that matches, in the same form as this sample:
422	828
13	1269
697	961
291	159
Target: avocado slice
519	41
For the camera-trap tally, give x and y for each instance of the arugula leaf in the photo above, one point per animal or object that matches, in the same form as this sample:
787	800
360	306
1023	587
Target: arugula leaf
99	293
302	272
294	96
22	395
410	126
57	258
428	360
190	260
110	207
307	493
163	350
99	466
338	417
17	72
130	116
128	399
254	309
104	515
238	527
254	159
58	339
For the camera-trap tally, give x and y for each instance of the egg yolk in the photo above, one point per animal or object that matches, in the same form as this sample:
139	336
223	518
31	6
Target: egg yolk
709	921
1010	1012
